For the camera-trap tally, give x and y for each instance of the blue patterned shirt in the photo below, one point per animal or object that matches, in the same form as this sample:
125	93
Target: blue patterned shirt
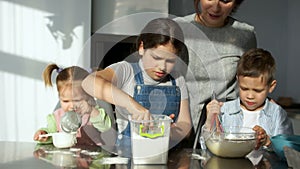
272	118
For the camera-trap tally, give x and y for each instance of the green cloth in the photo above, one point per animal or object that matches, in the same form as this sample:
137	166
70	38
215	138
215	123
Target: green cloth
102	122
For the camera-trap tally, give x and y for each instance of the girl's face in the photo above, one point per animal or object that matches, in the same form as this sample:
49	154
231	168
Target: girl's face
254	91
158	62
215	12
71	97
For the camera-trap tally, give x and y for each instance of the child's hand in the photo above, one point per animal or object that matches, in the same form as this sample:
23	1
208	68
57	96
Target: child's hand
83	108
137	111
262	138
141	115
172	116
37	137
39	153
213	109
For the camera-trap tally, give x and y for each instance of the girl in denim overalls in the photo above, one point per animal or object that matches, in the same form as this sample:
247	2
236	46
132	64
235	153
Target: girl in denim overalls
149	86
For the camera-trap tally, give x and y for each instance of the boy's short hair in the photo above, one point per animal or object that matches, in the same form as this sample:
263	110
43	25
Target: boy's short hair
256	62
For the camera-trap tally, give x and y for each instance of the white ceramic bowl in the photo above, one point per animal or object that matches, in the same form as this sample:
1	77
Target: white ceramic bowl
234	142
63	140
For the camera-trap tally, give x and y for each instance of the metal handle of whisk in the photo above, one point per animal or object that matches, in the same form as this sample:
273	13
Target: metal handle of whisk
217	118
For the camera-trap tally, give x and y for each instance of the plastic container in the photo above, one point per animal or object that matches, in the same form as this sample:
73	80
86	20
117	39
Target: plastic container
150	140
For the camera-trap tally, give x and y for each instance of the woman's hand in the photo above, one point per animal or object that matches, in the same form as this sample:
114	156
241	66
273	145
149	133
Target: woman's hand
262	139
213	110
37	137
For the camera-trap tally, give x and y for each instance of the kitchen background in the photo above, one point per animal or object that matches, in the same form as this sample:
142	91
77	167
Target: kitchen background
34	33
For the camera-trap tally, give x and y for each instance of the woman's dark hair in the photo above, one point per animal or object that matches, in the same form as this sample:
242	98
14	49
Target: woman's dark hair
161	31
237	4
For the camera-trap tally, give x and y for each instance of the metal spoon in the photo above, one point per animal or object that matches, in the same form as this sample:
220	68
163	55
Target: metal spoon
70	122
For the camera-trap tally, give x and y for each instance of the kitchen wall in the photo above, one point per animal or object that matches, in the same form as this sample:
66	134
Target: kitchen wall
277	27
104	12
34	33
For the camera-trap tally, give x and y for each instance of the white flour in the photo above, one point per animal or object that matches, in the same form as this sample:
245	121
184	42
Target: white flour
151	150
147	148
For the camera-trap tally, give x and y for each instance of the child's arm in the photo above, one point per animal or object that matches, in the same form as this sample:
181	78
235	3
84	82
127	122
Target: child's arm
51	128
183	125
100	120
213	110
99	84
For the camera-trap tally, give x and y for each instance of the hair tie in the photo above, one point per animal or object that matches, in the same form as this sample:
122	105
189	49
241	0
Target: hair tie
59	70
90	70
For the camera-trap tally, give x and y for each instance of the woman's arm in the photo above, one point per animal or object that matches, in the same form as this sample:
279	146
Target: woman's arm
99	84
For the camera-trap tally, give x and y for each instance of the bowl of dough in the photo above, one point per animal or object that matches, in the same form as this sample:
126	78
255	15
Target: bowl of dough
231	142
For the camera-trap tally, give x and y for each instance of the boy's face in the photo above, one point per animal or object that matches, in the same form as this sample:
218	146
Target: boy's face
159	61
254	91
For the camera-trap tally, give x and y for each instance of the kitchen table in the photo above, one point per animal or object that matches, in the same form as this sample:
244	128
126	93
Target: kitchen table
32	156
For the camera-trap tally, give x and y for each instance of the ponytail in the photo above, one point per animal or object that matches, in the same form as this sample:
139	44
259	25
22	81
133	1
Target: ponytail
48	72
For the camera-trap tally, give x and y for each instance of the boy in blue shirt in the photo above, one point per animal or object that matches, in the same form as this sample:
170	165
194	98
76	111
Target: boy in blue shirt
256	79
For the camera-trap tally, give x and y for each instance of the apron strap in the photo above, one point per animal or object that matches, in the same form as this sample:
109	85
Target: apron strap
172	79
138	76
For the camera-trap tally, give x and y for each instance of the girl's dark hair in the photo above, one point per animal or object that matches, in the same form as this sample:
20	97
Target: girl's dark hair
237	4
161	31
66	76
257	62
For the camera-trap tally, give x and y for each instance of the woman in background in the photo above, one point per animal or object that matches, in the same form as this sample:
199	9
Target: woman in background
215	43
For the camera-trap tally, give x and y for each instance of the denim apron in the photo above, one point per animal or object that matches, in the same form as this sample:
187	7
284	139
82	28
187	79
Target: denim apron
157	99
